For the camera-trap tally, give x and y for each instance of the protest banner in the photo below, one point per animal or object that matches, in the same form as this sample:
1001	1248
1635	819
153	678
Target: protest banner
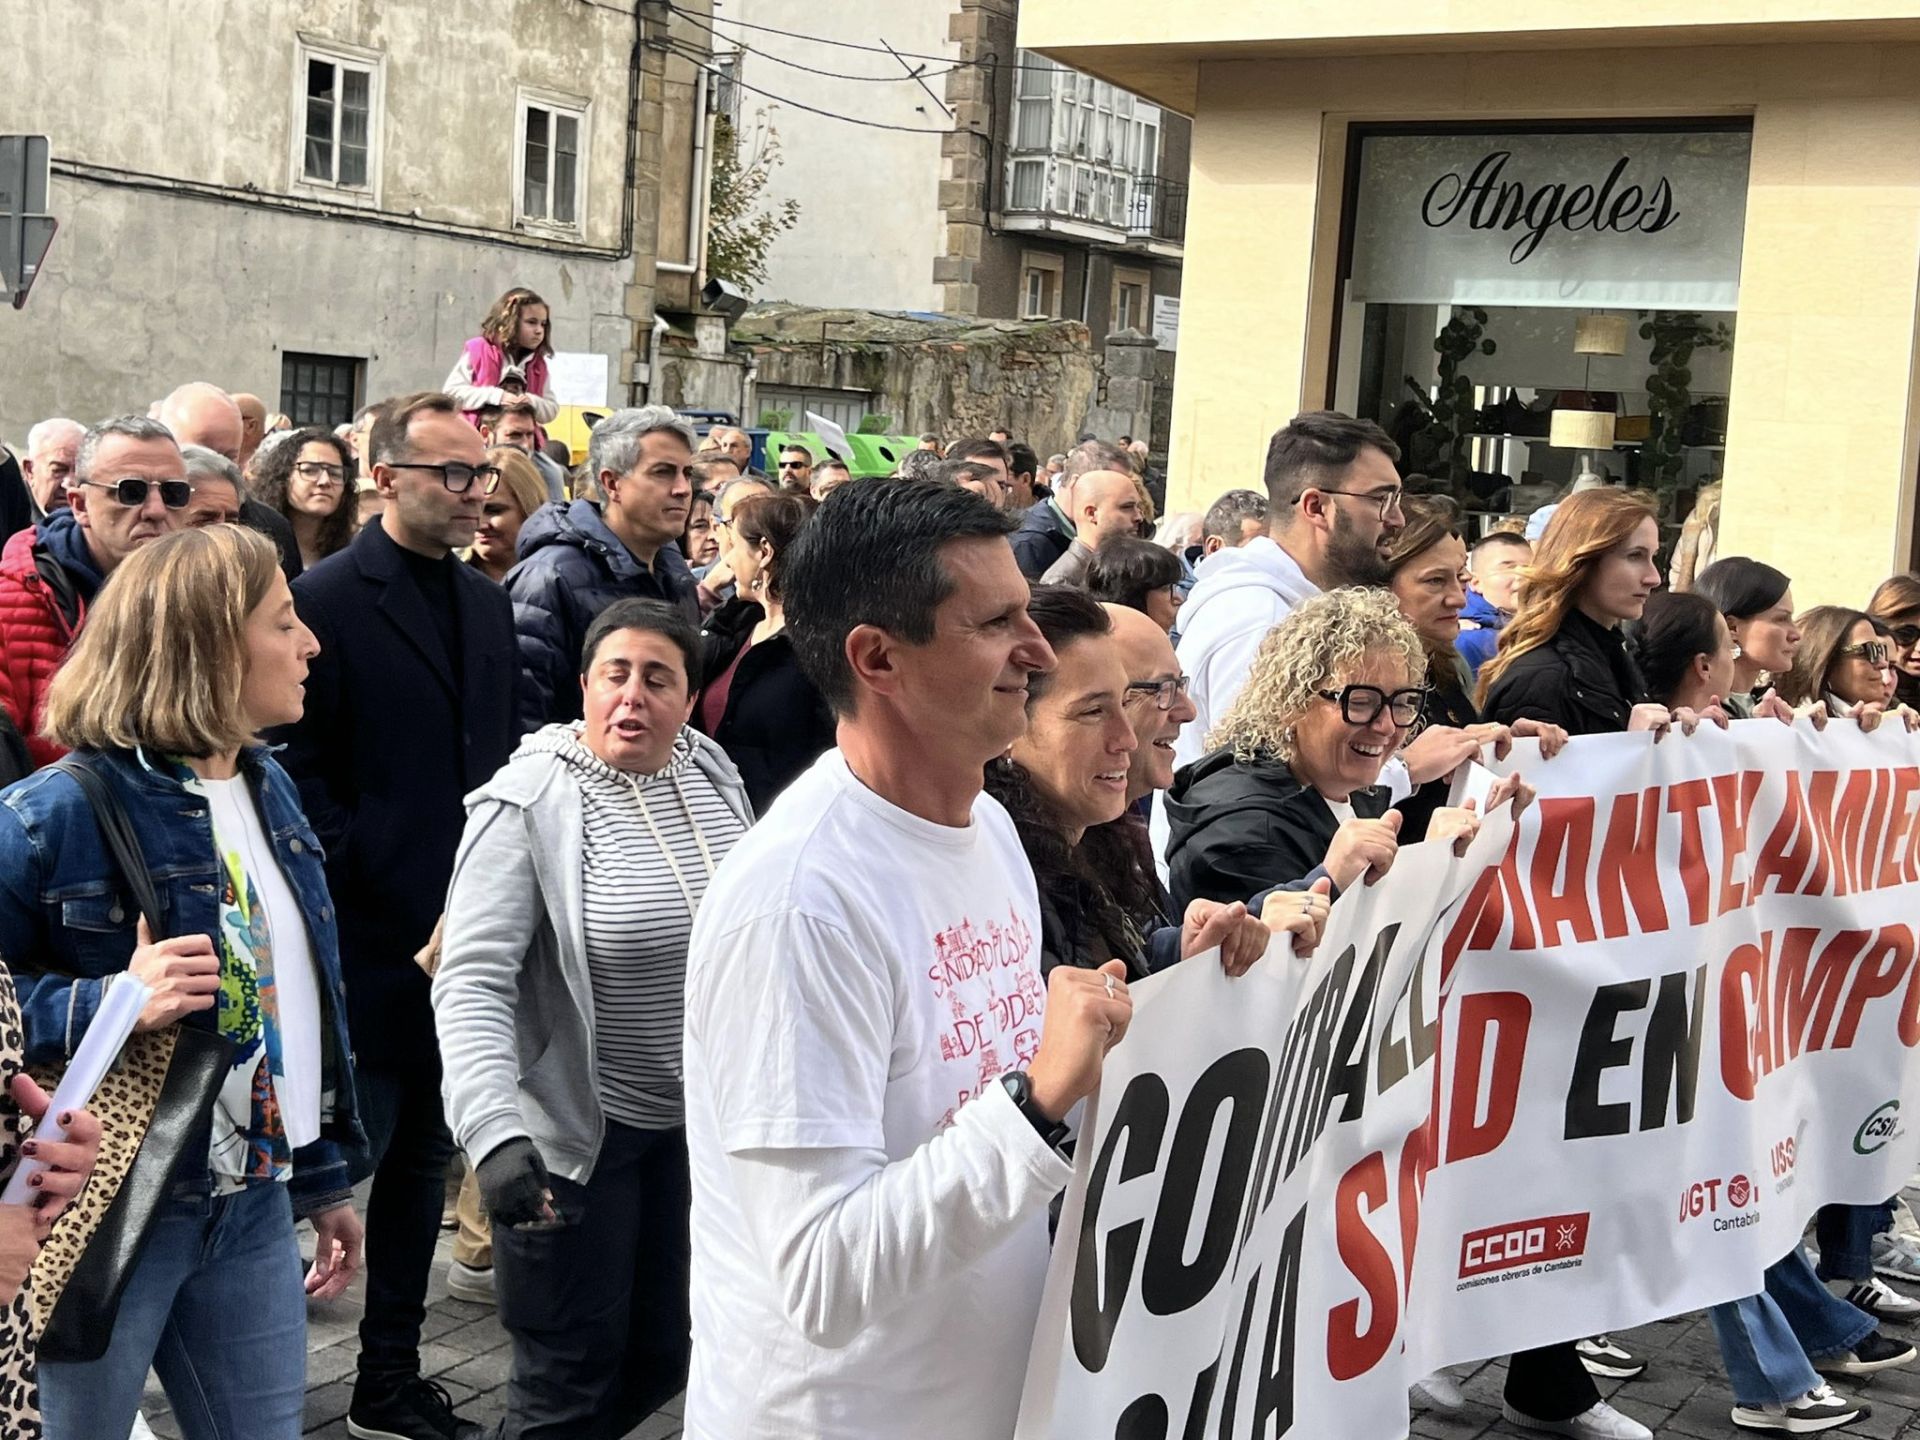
1599	1070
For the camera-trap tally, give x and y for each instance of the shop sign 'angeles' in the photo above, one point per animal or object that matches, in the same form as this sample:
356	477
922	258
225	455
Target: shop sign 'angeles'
1490	203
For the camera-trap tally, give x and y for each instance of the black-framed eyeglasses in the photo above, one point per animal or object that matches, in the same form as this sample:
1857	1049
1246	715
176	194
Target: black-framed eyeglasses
1165	693
318	470
1905	636
132	490
1361	704
456	475
1386	501
1874	652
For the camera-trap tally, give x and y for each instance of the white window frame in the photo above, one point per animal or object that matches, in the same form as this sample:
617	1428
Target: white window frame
308	48
554	103
1054	266
1126	278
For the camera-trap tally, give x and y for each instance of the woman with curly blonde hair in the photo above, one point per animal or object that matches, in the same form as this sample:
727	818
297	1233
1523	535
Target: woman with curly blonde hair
1291	780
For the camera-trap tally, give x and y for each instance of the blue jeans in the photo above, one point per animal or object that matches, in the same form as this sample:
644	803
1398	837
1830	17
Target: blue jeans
216	1306
1845	1234
1765	1339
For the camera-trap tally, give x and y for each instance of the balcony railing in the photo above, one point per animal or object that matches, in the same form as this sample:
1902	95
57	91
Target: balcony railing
1157	209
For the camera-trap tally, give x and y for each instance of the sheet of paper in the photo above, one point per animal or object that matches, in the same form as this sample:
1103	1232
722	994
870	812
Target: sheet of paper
577	377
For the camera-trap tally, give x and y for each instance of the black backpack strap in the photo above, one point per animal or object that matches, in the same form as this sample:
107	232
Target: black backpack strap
123	845
54	575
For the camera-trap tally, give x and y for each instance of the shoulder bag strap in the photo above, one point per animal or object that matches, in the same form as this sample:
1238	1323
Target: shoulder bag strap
123	845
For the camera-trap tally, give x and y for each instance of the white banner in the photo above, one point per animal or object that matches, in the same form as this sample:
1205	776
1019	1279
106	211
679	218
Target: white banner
1598	1071
1648	220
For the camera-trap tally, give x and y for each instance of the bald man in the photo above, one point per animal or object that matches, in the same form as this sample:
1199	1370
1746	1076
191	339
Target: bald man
1103	503
253	419
1156	703
201	414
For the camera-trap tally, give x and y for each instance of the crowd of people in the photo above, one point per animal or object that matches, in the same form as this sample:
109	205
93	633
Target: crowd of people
741	875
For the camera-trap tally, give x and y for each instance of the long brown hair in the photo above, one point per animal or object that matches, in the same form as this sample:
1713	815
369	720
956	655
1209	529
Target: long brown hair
163	656
502	325
1583	529
1823	630
1896	595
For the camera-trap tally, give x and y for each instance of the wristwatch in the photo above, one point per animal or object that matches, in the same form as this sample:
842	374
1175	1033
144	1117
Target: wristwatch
1020	1088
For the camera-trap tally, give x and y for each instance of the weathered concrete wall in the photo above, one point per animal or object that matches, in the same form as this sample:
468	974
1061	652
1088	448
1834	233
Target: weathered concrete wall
952	379
143	291
870	221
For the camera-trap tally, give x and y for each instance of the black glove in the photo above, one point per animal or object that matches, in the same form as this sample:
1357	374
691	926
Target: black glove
513	1182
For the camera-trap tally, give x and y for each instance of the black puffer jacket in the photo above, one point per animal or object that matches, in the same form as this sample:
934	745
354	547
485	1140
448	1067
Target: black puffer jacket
571	568
776	724
1042	538
1582	680
1239	828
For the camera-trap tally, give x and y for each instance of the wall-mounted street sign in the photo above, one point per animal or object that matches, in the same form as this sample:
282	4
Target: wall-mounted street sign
26	229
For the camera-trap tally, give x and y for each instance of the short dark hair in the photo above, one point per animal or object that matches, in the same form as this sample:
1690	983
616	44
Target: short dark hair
392	419
1225	516
1312	448
1125	569
871	556
491	415
918	465
657	616
1742	588
1673	629
1064	613
1022	459
954	470
776	521
980	448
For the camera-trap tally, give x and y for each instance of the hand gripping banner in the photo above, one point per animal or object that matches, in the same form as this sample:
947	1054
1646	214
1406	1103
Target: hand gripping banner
1600	1070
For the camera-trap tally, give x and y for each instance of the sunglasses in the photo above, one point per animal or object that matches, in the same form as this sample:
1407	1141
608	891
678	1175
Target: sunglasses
132	491
1874	652
1360	704
1905	636
793	464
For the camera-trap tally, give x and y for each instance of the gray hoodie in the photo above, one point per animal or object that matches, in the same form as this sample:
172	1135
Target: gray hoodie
513	999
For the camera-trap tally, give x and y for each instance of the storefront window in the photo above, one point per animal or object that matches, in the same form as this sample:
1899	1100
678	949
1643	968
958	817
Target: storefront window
1525	308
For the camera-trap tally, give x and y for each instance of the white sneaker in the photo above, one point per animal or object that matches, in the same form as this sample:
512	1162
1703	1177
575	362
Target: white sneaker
1819	1409
470	1283
1439	1391
1897	1256
1876	1297
1602	1422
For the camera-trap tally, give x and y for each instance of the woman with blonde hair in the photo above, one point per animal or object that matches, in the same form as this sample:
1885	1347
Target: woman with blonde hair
1843	661
189	654
520	492
1896	603
1562	660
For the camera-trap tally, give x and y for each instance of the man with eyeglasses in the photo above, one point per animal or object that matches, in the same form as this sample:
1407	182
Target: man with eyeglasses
715	581
129	486
1333	506
578	559
410	706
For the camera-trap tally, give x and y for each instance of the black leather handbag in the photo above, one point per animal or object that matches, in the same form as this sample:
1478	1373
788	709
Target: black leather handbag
176	1135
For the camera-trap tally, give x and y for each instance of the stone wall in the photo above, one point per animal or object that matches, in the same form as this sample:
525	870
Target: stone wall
951	378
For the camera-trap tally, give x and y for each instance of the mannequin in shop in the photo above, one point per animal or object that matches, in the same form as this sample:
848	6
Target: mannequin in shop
1591	477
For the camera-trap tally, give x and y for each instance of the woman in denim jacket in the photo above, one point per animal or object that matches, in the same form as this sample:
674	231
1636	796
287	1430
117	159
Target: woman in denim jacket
190	652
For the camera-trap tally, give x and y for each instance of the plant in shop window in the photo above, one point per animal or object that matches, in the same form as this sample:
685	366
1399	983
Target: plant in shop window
1675	336
1449	410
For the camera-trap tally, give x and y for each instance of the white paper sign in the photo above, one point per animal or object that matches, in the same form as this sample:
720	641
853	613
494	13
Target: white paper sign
577	377
1633	220
1166	321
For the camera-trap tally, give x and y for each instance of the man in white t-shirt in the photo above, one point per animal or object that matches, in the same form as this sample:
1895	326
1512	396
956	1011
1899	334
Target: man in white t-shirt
876	1076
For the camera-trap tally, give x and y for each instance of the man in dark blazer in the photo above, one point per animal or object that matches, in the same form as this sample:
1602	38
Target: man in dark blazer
410	705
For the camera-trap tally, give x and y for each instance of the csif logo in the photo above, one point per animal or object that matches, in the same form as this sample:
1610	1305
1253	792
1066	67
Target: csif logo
1878	1128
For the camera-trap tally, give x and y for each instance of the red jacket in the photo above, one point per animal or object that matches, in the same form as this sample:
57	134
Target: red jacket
34	639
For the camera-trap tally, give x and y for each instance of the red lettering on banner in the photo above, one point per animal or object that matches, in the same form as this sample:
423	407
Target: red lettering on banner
1744	975
1895	849
1624	871
1855	813
1801	995
1831	865
1788	849
1566	834
1350	1350
1507	1014
1734	796
1888	959
1686	800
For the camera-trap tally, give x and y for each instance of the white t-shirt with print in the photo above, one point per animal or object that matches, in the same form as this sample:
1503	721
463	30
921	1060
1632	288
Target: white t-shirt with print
858	979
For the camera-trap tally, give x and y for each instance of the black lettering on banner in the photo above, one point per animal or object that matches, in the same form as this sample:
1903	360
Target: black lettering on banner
1347	1080
1273	1401
1672	1061
1598	1052
1168	1284
1140	1123
1310	1116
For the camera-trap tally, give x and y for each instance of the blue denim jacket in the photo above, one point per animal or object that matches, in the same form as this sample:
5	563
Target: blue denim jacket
59	902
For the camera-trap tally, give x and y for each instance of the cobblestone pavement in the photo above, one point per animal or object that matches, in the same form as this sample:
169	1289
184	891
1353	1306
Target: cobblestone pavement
1684	1392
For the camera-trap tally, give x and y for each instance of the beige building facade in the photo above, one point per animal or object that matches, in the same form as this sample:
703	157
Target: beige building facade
1318	230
